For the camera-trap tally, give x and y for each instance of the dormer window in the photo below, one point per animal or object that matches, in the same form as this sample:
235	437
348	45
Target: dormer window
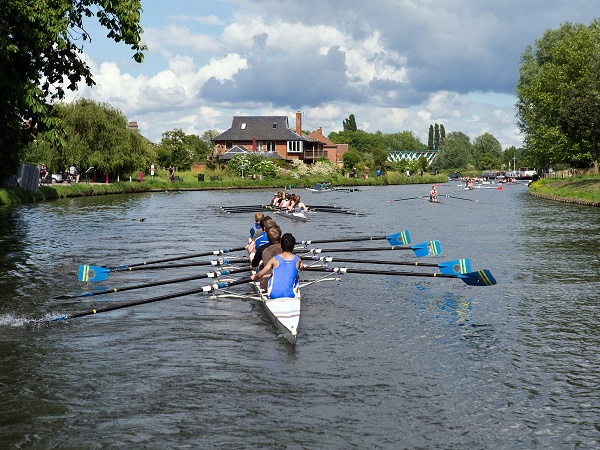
243	126
274	125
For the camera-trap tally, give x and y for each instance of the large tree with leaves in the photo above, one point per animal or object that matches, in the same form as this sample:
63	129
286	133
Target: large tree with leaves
559	96
41	54
349	124
96	135
456	151
487	152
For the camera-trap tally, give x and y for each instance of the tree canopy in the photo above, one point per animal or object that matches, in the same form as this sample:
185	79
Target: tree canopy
96	135
559	96
455	151
41	54
349	124
181	150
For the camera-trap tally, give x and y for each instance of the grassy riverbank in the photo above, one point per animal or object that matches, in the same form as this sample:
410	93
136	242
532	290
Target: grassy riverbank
583	190
190	182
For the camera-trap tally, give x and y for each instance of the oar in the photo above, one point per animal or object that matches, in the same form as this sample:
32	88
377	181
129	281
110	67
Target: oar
208	288
214	274
459	198
93	274
431	248
479	278
400	238
448	267
84	269
407	198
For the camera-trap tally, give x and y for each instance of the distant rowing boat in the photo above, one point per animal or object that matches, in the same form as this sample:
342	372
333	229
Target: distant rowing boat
297	216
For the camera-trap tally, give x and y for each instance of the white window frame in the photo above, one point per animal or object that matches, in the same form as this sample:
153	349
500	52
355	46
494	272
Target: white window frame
294	146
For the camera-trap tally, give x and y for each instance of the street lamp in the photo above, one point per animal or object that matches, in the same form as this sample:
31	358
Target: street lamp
242	167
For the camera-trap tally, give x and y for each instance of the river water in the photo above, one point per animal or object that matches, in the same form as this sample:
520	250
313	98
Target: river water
380	362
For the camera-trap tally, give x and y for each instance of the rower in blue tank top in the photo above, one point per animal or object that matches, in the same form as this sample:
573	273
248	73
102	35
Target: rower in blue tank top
285	266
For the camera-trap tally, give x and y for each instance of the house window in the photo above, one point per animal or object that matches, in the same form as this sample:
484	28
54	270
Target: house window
259	146
294	146
243	126
271	146
228	145
274	125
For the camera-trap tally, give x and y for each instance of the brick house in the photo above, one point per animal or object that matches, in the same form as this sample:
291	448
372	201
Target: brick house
335	152
269	135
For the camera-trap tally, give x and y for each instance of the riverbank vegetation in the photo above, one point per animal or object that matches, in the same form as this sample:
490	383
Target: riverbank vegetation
189	181
576	189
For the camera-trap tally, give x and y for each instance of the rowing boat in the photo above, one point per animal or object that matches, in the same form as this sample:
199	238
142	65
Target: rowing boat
283	312
298	216
320	191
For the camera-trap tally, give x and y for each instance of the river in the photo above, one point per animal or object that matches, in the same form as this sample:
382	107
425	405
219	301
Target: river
380	362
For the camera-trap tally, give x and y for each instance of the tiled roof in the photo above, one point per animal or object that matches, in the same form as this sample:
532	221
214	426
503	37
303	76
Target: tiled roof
263	128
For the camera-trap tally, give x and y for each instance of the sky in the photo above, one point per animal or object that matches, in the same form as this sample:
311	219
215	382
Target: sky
397	65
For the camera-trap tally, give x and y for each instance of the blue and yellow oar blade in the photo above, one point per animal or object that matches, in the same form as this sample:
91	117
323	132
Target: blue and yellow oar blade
400	238
431	248
455	266
479	278
93	273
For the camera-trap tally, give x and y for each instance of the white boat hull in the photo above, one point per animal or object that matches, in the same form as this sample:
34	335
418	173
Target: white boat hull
283	312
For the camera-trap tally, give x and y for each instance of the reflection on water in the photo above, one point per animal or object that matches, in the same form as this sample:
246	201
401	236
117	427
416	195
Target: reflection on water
381	362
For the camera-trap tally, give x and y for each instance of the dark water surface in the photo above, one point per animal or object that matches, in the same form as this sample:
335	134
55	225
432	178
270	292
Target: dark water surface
381	362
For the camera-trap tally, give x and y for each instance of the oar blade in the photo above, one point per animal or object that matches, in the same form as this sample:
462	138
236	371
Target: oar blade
479	278
456	266
431	248
93	273
400	238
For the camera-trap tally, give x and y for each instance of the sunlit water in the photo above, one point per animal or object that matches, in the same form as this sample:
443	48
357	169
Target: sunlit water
381	361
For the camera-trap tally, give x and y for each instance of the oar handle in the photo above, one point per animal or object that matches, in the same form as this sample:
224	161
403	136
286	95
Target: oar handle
367	261
327	241
208	288
342	270
214	274
214	262
176	258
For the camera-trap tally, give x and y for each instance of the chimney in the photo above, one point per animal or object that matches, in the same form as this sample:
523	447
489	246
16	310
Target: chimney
299	123
320	131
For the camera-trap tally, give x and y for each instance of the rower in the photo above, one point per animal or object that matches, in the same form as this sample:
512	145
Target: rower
285	266
257	218
265	223
433	194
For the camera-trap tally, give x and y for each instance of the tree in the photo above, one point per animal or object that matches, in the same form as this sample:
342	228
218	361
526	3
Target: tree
487	152
96	135
430	142
350	123
182	149
351	159
558	96
405	140
455	152
436	137
442	134
41	50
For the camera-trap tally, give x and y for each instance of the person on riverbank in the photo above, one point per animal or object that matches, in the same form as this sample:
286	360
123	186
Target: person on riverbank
284	267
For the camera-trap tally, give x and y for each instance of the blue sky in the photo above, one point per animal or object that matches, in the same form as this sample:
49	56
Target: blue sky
395	64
